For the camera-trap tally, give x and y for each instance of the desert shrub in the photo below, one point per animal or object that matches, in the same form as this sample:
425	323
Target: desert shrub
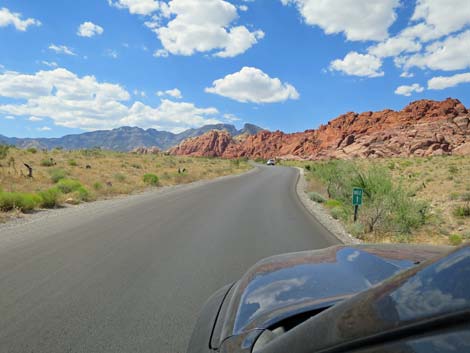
308	167
119	177
386	207
18	200
4	151
49	198
72	162
150	179
453	169
454	196
67	186
136	166
462	211
406	163
315	196
32	150
57	174
465	197
455	239
333	203
97	186
48	162
83	194
338	213
235	162
92	152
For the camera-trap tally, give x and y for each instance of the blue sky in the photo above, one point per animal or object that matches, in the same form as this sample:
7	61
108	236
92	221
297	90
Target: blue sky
69	67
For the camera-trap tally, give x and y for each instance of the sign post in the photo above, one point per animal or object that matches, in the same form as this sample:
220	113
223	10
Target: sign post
357	200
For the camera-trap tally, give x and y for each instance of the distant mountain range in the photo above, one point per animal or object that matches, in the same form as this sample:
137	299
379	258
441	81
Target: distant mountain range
125	138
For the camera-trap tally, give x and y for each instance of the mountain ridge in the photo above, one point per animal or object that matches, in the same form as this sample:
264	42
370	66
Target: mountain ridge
125	138
422	128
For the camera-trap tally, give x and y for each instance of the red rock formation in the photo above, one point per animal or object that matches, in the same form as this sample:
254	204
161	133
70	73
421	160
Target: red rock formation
423	128
146	150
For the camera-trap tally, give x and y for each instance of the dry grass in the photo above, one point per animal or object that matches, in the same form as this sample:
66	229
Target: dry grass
443	182
108	173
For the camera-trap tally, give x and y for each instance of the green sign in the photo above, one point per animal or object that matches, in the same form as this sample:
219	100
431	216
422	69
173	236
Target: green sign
357	196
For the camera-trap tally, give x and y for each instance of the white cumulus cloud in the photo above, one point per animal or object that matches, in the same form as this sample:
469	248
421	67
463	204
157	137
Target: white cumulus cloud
357	19
84	102
175	93
395	46
443	82
161	53
89	29
355	64
49	63
186	27
448	54
137	7
441	17
253	85
408	90
61	49
8	18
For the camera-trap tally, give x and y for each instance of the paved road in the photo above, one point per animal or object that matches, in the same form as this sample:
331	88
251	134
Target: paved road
130	275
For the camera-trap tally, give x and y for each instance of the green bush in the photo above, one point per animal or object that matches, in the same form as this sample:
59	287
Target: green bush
83	194
235	162
4	151
18	200
67	186
315	196
333	203
338	213
453	169
455	239
387	207
72	162
119	177
150	179
57	175
462	211
32	150
49	198
465	197
47	162
97	186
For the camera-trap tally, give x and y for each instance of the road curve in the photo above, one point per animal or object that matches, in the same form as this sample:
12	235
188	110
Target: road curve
132	277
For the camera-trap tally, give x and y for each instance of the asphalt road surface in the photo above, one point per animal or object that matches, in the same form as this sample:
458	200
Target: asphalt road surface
130	275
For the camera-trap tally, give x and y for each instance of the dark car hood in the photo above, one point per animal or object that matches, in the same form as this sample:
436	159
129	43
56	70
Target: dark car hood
282	286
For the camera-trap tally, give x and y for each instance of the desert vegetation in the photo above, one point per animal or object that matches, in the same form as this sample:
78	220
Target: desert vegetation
417	200
62	177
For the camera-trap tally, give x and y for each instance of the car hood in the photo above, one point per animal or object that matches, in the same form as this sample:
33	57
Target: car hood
282	286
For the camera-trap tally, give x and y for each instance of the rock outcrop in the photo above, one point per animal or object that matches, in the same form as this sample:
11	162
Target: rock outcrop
423	128
146	150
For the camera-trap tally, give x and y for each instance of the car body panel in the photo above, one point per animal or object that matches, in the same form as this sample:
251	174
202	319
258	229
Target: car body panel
285	285
425	298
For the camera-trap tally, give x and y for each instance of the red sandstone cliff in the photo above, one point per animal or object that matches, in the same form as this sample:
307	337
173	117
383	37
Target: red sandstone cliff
423	128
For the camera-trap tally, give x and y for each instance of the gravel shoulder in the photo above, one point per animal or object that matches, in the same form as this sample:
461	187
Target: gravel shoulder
333	225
